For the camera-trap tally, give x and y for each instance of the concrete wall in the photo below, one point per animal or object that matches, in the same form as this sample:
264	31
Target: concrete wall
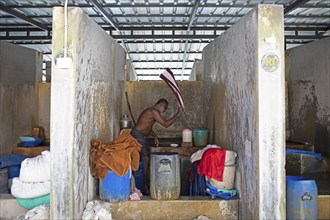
143	94
308	77
85	105
130	72
244	107
197	71
20	72
44	107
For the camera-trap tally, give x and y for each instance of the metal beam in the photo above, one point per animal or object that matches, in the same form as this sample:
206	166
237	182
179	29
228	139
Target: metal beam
140	28
23	17
156	5
172	16
104	13
128	25
294	5
158	38
191	20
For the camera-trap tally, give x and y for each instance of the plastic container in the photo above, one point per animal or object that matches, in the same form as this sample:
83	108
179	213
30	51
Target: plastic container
301	198
230	157
115	188
200	137
228	180
187	135
139	177
165	176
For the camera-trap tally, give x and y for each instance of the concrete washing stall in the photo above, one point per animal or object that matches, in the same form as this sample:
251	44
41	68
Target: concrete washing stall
233	98
91	92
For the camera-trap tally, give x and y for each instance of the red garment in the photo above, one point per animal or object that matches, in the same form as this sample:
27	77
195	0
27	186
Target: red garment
212	163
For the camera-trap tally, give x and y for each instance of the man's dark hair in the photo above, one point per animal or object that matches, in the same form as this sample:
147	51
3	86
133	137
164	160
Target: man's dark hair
162	100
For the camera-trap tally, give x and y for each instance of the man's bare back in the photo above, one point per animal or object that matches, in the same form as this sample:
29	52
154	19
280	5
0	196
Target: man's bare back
145	121
153	114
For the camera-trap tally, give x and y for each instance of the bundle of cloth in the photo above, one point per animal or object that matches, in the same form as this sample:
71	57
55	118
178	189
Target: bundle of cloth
118	156
32	187
12	163
207	169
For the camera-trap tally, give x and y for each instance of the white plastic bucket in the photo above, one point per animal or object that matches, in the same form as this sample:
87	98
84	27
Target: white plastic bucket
187	135
230	157
228	178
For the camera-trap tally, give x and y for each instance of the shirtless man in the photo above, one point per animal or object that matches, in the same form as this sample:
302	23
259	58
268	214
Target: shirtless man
143	128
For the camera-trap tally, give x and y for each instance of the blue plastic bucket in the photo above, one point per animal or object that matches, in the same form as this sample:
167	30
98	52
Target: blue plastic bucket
115	188
200	137
301	198
139	177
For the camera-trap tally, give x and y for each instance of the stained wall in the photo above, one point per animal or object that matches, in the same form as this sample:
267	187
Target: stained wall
308	77
86	102
244	104
20	72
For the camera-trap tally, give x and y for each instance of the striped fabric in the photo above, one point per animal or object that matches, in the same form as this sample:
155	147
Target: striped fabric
168	77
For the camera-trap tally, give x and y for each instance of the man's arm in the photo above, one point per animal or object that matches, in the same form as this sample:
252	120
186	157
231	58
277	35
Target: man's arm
152	133
161	120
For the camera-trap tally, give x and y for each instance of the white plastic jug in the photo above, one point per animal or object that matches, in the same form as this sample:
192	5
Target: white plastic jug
187	135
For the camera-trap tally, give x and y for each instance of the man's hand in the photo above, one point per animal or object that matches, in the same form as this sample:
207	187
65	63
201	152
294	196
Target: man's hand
156	141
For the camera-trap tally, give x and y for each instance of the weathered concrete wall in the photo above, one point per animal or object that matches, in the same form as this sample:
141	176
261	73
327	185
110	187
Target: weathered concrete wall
44	107
308	77
130	72
20	71
245	101
146	93
85	104
197	71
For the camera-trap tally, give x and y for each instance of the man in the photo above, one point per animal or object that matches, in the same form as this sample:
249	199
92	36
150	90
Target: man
143	128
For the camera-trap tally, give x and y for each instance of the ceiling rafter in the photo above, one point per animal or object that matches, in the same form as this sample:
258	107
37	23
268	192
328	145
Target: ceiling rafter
105	14
159	39
164	5
309	16
23	17
191	20
140	28
294	5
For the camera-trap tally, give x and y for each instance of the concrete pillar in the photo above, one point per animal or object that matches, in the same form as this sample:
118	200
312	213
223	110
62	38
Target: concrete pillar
85	105
245	102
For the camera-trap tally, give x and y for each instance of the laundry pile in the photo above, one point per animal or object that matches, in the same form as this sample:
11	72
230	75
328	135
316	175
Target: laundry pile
96	210
212	172
117	156
12	164
39	212
32	187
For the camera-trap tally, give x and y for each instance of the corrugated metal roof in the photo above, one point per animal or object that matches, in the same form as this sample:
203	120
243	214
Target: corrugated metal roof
160	33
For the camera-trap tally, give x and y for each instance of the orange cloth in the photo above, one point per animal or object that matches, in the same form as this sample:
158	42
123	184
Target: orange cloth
118	156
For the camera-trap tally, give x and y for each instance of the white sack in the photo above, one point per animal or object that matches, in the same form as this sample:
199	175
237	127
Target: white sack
36	169
29	190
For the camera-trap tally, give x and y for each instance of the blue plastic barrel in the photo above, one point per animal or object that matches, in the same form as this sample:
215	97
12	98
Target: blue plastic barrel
301	198
115	188
139	177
